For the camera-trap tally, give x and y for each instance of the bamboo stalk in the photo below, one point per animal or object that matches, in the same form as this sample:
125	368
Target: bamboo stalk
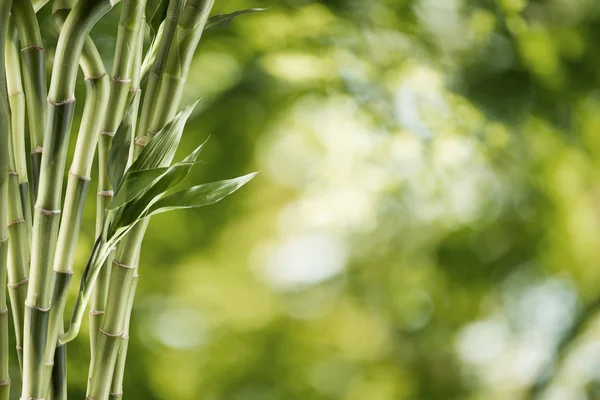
34	70
193	19
48	203
116	390
97	87
19	207
128	36
163	47
5	139
16	98
113	323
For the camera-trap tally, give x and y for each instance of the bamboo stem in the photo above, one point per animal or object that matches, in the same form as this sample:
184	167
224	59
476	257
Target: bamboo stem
110	343
34	70
5	139
128	38
18	201
16	98
97	87
48	203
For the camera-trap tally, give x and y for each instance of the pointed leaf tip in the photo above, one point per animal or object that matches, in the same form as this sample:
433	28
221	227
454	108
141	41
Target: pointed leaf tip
222	20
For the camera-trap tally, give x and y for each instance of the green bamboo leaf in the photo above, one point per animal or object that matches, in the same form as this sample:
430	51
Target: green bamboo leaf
120	150
155	190
199	196
156	12
161	149
134	184
222	20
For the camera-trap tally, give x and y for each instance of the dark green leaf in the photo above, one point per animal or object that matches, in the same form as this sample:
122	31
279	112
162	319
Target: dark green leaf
156	12
158	188
222	20
120	150
199	196
134	184
161	149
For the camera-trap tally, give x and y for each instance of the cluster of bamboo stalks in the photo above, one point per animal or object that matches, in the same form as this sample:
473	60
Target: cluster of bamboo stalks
131	116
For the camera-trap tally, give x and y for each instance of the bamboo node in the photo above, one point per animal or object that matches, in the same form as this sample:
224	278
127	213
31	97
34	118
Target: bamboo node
95	77
37	308
82	177
141	141
118	264
108	133
16	285
120	394
34	46
5	382
37	150
120	80
62	102
47	212
4	311
32	398
12	173
95	313
118	334
60	271
3	242
15	222
134	90
106	193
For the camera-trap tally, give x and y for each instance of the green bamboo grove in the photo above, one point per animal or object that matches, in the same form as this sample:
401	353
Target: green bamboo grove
131	125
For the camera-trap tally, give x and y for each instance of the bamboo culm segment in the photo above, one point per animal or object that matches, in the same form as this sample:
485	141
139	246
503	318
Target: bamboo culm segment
34	71
45	228
19	214
5	144
129	30
97	87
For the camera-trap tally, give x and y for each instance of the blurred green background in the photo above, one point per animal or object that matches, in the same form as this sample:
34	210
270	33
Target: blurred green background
426	224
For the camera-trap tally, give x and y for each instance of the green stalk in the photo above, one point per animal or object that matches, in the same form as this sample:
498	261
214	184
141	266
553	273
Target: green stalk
19	208
16	98
116	390
113	323
77	188
129	30
34	69
177	67
163	46
191	24
45	228
5	139
97	87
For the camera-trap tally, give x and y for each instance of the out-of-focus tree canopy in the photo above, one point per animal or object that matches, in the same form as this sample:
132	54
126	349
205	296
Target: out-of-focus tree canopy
427	222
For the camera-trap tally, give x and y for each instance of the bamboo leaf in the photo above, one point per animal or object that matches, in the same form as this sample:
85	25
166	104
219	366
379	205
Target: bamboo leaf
120	150
161	150
156	12
155	190
222	20
199	196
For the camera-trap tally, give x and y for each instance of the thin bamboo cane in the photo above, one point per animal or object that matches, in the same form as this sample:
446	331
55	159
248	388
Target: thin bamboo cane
165	40
16	98
116	390
193	19
129	30
5	139
19	203
45	228
97	88
34	70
